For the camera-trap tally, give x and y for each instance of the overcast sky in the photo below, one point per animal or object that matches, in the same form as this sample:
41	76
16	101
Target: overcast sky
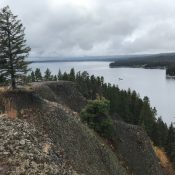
96	27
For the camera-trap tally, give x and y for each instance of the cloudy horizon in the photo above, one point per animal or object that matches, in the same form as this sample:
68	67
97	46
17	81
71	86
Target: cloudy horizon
71	28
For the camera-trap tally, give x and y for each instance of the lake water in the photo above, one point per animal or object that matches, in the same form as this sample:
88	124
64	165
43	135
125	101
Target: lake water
146	82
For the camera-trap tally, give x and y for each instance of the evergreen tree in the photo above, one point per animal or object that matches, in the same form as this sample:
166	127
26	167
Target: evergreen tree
13	49
147	116
65	76
27	79
96	115
48	76
32	76
38	75
2	80
52	78
170	145
59	75
159	133
72	75
55	78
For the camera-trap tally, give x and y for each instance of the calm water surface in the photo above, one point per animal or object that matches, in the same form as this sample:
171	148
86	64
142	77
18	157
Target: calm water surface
146	82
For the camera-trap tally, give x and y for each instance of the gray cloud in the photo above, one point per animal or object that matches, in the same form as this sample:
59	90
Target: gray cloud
96	27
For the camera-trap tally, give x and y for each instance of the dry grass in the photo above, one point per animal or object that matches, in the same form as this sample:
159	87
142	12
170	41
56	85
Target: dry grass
3	88
162	156
12	113
164	161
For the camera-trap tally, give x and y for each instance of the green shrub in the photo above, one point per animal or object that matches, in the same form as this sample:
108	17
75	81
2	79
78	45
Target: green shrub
96	115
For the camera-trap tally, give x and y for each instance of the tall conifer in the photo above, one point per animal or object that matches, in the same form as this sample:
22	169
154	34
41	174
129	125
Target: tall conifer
13	49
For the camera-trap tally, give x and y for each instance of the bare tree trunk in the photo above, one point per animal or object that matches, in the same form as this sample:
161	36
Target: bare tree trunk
13	82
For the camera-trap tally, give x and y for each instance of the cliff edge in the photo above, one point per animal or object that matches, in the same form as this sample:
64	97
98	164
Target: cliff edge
46	121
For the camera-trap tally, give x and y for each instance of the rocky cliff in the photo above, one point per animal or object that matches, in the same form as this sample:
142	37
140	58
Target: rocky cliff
44	131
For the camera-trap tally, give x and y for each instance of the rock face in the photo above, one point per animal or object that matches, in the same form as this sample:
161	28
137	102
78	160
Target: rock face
82	151
135	147
87	153
24	150
63	92
51	138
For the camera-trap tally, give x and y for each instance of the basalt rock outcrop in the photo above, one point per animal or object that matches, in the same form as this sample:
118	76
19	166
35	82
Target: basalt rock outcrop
25	150
46	127
136	149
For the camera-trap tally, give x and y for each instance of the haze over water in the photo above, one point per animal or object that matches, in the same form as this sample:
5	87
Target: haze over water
146	82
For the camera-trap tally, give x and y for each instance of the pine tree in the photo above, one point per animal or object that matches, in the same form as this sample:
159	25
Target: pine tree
55	78
159	133
65	76
13	49
72	75
48	76
59	75
32	76
2	80
170	145
96	115
38	75
147	116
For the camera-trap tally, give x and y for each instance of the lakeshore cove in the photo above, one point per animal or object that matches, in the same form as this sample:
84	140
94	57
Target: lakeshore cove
146	82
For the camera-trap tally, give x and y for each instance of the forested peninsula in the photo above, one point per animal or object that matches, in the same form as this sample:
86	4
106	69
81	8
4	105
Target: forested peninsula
157	61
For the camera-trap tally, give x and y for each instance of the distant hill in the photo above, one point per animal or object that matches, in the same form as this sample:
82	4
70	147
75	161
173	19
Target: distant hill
67	59
161	56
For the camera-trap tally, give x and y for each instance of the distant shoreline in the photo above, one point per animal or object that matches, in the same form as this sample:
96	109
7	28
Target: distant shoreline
105	58
46	61
138	66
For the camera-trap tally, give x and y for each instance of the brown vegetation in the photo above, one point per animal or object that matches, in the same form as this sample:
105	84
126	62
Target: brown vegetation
164	161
